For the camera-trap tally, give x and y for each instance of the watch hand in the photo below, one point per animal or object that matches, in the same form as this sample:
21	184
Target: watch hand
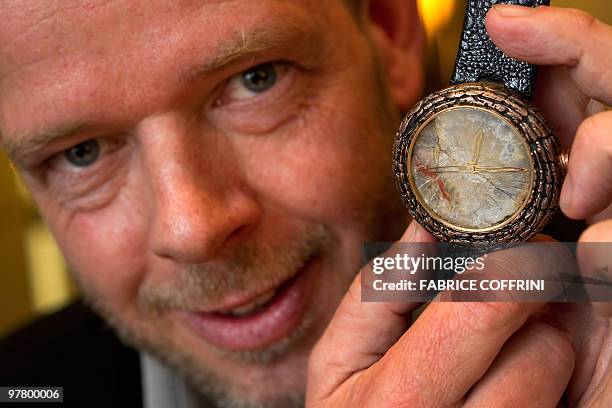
477	146
454	169
500	169
437	148
474	168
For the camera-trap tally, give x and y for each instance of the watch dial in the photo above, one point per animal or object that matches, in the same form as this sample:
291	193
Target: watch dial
471	168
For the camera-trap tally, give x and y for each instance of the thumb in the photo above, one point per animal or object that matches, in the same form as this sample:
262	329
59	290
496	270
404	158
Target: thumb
359	333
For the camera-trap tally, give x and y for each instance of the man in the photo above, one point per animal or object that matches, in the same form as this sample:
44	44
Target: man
211	170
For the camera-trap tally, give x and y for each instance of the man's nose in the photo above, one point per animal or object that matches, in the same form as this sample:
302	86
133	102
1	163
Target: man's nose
200	202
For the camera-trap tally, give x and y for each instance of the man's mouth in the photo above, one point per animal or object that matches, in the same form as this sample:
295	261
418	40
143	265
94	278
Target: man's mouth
254	305
260	321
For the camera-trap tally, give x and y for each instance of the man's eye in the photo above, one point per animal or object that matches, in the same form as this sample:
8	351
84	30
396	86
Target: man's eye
84	154
260	78
252	82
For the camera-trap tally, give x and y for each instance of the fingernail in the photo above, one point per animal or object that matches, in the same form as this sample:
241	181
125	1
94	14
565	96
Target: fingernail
565	200
508	10
410	232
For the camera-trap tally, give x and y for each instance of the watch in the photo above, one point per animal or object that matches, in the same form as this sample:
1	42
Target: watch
476	162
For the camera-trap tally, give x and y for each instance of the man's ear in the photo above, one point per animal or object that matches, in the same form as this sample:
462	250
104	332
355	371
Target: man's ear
397	32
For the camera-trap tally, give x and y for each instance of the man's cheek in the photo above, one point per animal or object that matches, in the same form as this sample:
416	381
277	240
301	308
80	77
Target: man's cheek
308	185
316	173
106	249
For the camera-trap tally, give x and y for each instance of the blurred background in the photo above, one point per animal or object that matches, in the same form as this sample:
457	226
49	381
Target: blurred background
33	275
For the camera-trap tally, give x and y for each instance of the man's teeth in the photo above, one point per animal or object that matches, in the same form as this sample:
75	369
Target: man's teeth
252	306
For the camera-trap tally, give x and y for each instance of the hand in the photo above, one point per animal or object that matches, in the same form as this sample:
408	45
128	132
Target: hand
573	88
367	358
475	354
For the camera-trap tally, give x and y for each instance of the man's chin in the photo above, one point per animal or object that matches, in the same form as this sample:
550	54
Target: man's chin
270	376
273	376
254	355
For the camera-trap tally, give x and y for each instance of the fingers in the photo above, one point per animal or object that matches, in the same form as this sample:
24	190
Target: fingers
579	48
600	216
587	188
532	370
445	352
542	259
557	36
554	84
359	333
595	258
452	345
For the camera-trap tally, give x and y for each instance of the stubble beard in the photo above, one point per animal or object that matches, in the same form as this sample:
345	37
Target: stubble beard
214	281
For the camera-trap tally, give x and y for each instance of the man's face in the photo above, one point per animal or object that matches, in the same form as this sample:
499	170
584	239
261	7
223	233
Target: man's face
210	170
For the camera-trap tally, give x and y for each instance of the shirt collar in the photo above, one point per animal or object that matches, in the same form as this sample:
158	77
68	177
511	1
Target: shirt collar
163	388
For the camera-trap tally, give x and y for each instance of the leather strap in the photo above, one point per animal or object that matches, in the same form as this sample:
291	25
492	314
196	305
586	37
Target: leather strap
478	59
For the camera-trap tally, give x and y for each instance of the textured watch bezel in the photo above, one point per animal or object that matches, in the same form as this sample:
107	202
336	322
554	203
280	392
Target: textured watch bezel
544	148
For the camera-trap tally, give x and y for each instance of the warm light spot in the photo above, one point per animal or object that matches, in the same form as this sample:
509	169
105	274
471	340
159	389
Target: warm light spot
435	14
50	286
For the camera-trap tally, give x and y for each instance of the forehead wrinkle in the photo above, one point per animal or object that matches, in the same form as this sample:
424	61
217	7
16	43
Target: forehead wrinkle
43	17
27	26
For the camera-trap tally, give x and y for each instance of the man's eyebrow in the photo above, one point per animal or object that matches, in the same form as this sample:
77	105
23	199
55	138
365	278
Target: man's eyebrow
246	44
22	145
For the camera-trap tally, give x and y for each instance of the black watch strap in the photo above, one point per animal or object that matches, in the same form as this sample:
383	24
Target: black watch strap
478	59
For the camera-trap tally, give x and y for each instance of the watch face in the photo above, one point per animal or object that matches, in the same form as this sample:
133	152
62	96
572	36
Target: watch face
471	168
